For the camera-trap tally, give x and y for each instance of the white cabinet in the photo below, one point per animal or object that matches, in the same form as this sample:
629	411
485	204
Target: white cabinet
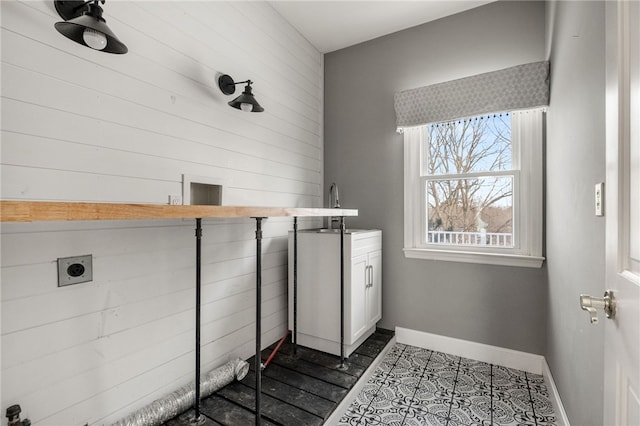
318	296
365	298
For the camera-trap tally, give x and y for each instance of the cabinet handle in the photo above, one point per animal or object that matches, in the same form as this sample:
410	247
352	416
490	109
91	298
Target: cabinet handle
368	276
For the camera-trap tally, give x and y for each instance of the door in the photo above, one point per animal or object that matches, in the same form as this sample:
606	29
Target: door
622	211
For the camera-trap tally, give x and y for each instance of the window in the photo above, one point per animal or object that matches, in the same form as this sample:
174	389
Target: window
473	189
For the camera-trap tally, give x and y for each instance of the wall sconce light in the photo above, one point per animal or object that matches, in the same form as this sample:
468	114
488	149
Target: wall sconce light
84	24
245	102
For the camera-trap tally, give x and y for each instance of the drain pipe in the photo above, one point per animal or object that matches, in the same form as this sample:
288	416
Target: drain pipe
167	407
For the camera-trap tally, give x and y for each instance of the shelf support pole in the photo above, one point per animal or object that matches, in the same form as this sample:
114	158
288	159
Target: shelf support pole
258	357
197	417
295	285
342	230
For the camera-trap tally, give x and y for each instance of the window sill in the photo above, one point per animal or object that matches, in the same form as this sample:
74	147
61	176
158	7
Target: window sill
475	257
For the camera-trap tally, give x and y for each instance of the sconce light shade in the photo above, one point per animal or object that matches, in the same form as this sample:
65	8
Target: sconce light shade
245	102
84	24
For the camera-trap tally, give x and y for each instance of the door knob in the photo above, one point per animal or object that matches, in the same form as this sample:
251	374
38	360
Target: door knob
591	304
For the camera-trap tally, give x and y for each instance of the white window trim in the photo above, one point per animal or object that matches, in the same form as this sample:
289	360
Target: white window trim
528	214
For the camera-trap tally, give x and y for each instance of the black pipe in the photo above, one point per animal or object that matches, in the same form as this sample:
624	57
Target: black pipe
258	358
295	285
342	229
198	302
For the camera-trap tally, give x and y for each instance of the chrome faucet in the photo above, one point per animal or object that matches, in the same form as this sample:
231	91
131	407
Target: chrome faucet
334	202
334	188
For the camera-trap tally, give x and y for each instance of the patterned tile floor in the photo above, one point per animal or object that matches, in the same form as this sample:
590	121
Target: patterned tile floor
414	386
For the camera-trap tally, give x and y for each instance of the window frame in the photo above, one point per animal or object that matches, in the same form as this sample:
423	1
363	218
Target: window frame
527	169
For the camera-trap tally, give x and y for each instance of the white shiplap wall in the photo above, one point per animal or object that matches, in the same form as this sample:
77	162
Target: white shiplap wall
81	125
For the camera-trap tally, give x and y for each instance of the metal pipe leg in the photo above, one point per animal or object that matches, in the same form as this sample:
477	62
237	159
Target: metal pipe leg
198	303
258	358
295	285
342	229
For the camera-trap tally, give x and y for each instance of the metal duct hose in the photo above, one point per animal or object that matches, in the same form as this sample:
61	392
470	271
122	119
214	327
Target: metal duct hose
167	407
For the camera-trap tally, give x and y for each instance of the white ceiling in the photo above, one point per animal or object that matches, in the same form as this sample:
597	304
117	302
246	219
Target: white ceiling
332	25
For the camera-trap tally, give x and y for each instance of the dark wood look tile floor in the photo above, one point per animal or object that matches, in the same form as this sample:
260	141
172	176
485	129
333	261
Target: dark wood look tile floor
297	389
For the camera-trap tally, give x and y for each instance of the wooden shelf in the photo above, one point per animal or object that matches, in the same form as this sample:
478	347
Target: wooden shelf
44	211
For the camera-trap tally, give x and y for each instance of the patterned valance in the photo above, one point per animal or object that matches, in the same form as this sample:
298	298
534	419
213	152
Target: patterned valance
520	87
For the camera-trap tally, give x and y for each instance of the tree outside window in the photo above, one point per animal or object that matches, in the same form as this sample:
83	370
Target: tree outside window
469	182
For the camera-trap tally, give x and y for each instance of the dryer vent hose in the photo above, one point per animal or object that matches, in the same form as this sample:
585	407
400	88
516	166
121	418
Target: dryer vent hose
169	406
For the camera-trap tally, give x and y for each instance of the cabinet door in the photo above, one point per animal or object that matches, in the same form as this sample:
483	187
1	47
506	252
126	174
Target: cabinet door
318	287
374	291
359	322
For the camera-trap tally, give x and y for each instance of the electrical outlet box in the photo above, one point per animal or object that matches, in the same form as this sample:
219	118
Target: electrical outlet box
175	200
202	190
75	270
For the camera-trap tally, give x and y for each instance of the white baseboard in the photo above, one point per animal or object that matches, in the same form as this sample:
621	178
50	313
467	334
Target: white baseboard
524	361
558	408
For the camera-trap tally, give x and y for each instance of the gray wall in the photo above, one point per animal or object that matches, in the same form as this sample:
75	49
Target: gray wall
502	306
575	237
